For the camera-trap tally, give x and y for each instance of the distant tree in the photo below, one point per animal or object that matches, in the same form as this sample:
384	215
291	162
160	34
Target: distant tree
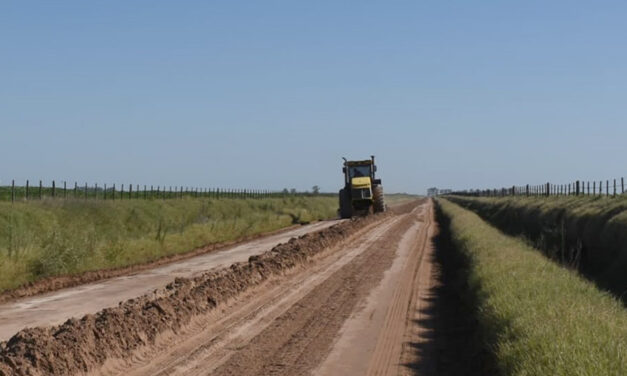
293	191
285	191
315	189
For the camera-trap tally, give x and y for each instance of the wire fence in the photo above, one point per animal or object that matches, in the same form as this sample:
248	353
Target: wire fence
612	188
75	191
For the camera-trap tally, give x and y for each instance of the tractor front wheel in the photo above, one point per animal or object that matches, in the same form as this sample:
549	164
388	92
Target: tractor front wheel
379	201
346	211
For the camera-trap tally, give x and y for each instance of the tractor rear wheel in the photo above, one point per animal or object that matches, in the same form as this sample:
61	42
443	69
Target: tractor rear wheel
379	200
346	211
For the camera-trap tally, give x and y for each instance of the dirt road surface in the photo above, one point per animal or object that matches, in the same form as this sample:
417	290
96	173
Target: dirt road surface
55	307
354	308
352	312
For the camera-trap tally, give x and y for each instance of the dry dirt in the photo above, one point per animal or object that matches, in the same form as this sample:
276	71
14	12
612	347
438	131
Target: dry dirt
345	300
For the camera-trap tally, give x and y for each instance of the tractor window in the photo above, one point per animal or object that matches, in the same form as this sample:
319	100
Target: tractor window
359	171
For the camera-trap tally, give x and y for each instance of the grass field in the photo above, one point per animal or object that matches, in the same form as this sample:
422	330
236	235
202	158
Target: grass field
586	233
64	237
537	317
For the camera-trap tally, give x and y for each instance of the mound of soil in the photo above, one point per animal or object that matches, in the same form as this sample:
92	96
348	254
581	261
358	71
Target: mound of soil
82	345
59	282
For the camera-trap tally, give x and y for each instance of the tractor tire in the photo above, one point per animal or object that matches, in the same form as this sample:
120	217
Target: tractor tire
346	211
379	200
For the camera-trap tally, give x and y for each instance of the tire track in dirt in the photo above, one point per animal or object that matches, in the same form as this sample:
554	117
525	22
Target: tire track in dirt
300	339
374	338
399	330
211	345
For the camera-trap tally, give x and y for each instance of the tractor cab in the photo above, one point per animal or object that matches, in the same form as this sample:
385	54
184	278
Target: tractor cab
362	192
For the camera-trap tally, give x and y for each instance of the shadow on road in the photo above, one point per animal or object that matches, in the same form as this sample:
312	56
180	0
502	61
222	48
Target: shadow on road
452	343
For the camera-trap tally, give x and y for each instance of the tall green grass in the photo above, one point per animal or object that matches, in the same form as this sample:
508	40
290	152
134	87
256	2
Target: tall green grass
539	318
46	238
586	233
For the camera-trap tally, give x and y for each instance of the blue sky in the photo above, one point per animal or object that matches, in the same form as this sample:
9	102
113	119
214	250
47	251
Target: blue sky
272	94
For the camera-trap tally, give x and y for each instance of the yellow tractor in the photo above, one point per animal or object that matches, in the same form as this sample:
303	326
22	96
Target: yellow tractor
362	193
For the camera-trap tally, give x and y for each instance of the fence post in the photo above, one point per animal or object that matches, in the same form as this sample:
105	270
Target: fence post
40	189
614	188
113	192
95	191
548	189
577	188
622	185
53	189
607	187
12	190
75	188
26	190
65	189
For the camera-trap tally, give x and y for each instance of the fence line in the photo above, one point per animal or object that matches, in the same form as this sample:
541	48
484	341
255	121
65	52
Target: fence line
612	187
134	192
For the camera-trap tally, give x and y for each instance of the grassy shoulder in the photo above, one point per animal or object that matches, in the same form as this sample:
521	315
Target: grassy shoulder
540	318
586	233
47	238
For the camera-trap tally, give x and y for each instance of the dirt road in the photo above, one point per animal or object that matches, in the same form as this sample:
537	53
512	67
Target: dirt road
352	308
350	313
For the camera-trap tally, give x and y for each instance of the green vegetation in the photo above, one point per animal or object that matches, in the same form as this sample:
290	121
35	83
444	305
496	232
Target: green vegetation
585	233
538	317
59	237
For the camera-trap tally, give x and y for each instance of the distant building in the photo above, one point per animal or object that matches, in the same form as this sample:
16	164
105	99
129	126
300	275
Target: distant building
431	192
